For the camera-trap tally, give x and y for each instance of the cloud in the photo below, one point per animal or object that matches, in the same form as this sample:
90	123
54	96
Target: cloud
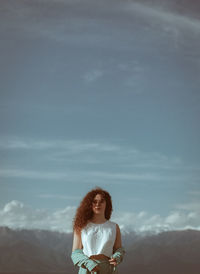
71	145
89	23
143	222
191	206
84	176
67	22
56	196
15	214
59	159
60	148
93	75
195	193
163	15
31	174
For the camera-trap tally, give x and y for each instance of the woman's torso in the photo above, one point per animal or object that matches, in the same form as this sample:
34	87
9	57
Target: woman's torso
98	238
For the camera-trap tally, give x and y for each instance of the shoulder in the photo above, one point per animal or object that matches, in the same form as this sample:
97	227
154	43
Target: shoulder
117	227
114	225
109	222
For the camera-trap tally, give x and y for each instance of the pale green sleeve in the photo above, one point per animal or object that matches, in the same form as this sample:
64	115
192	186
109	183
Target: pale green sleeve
119	255
82	260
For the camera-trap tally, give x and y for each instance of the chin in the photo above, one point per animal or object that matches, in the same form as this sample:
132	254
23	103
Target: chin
97	211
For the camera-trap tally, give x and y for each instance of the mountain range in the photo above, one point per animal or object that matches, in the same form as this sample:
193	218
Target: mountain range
41	251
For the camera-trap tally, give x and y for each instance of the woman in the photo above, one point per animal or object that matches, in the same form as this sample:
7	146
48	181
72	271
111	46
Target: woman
97	246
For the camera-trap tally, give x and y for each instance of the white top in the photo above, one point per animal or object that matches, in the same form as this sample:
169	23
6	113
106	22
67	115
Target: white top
98	238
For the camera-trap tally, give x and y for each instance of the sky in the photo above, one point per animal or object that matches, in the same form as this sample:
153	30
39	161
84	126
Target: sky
100	93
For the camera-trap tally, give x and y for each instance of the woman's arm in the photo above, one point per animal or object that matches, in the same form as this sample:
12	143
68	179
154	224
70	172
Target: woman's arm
118	251
118	240
77	243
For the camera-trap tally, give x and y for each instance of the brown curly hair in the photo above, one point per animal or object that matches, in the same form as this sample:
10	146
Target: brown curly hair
84	212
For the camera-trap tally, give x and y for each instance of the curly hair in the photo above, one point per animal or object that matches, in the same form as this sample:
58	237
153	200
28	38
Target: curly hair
84	212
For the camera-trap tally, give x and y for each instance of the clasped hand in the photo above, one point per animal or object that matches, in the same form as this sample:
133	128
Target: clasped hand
112	262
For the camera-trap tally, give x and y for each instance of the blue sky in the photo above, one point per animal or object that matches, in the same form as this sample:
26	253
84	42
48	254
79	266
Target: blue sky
100	94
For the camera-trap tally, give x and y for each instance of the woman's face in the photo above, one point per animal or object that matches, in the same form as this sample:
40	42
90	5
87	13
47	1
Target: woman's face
99	204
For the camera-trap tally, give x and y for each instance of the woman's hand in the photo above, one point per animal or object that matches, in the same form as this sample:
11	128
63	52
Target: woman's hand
113	262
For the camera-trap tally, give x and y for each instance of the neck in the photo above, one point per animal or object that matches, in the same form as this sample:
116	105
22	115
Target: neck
97	218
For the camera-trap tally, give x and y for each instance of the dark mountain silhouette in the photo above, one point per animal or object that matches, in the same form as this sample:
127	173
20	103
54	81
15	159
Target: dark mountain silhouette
34	250
39	251
171	252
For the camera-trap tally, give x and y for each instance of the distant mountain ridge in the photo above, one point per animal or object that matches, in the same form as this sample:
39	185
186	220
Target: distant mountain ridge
174	252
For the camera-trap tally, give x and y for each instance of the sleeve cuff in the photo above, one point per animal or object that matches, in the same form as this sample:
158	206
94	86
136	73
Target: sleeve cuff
118	255
91	264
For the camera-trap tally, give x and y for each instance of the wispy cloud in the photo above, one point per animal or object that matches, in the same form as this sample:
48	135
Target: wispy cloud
189	206
58	196
72	145
133	75
30	174
93	75
100	161
125	155
195	193
67	22
84	176
72	29
163	15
